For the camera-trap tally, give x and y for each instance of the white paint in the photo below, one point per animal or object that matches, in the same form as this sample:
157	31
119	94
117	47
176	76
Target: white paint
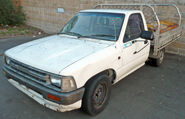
39	98
54	53
121	11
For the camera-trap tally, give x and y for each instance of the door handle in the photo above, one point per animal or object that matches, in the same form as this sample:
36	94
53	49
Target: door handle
146	41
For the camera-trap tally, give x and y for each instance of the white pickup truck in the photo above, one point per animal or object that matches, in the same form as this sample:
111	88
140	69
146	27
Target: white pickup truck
96	48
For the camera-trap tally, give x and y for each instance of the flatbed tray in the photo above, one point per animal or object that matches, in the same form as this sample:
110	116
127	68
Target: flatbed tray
165	26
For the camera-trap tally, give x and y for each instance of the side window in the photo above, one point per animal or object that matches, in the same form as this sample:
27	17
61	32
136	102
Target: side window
134	27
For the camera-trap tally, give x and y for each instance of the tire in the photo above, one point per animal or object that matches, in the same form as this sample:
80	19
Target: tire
97	94
158	61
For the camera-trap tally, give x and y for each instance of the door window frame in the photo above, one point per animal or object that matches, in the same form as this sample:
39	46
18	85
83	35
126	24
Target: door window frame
141	25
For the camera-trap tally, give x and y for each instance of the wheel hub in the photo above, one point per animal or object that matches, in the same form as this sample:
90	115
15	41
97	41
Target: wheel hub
99	95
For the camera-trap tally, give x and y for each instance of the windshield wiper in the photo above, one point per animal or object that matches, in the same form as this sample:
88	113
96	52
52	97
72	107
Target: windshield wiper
60	33
103	35
70	33
75	34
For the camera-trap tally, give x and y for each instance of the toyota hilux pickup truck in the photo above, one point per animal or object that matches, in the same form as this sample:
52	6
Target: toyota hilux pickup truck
97	48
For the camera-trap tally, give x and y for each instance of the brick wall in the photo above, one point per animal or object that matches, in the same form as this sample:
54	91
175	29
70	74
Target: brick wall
43	14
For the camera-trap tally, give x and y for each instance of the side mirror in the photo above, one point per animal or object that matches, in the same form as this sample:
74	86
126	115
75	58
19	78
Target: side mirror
148	35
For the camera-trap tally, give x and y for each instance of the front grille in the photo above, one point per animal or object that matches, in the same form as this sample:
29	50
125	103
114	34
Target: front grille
28	71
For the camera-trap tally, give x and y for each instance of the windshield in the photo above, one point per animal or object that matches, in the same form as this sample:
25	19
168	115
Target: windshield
103	26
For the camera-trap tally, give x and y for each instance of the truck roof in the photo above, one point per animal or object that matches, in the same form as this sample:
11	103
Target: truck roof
122	11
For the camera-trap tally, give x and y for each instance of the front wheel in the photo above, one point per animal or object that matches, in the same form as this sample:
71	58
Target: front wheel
97	94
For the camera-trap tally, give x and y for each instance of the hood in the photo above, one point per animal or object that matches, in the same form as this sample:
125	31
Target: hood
54	53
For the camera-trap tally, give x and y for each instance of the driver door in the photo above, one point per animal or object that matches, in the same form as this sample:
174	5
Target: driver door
134	47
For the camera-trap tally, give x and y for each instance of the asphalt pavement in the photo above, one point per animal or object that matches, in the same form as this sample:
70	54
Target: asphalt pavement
148	93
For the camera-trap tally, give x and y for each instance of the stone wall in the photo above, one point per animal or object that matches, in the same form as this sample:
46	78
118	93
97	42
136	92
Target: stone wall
43	14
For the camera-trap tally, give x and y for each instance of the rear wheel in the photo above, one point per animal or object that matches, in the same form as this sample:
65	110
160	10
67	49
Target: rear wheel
158	61
97	94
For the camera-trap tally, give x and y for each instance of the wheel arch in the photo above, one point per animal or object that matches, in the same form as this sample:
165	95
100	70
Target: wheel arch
111	73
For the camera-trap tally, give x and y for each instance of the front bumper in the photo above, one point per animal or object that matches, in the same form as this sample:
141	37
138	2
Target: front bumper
39	98
68	101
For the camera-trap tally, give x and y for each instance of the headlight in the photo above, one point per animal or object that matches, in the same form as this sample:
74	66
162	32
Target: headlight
66	84
6	60
56	81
